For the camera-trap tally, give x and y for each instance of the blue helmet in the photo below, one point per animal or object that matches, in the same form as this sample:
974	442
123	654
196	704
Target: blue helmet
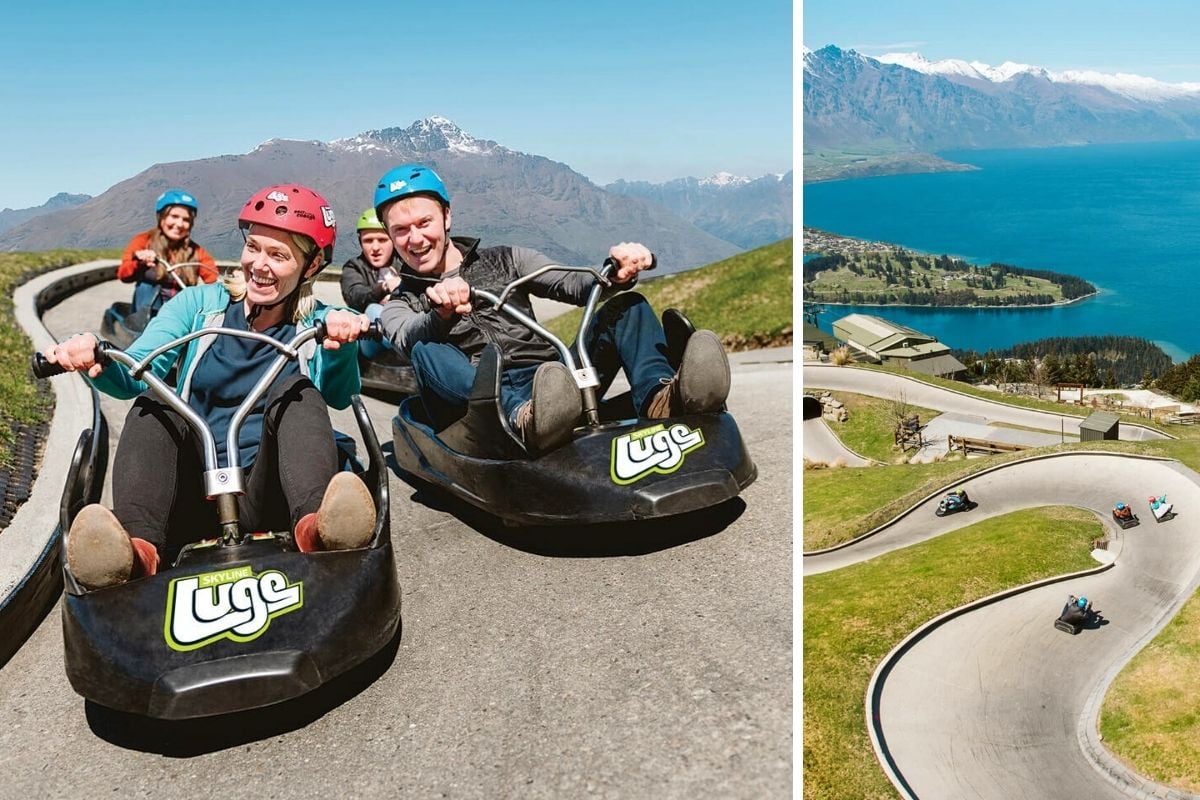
407	180
1081	602
175	197
1120	506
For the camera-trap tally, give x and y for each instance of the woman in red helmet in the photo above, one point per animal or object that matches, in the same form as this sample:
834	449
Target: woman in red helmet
169	241
286	444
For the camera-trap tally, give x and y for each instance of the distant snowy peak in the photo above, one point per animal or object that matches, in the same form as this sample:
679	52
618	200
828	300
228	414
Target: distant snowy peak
724	179
1133	86
967	69
423	136
363	143
278	141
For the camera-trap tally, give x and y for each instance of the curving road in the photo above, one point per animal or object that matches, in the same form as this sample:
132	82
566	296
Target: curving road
996	703
631	661
822	444
889	386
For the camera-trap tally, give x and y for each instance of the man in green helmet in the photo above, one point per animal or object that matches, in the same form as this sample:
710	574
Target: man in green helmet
369	278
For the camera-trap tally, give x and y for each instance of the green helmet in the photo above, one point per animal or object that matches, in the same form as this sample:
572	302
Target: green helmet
369	222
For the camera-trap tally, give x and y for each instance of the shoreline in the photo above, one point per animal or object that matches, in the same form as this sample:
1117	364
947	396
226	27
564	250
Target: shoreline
1055	304
849	245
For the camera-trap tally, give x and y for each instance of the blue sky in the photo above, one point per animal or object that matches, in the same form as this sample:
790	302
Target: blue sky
1156	39
94	93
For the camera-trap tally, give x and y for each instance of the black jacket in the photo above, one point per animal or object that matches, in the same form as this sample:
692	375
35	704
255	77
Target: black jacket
405	321
360	283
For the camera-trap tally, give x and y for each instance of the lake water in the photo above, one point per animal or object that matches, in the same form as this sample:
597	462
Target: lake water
1125	217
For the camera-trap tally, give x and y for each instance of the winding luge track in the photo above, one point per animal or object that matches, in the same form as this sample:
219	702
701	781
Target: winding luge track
890	386
641	661
992	701
822	444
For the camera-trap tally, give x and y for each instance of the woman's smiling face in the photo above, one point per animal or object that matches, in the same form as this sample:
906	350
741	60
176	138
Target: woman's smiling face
176	223
271	264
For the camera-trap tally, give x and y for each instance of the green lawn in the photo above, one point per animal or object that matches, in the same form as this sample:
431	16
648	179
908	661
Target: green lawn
1149	717
852	619
22	400
1151	713
870	429
746	299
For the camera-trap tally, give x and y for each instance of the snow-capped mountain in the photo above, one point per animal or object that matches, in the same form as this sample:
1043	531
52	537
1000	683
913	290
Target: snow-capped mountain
724	179
957	67
500	195
747	212
1132	86
904	103
433	133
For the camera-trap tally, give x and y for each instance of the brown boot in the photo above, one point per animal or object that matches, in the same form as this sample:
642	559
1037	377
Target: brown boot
701	384
99	552
345	520
546	420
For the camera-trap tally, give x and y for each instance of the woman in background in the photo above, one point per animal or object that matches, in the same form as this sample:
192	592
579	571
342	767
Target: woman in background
169	241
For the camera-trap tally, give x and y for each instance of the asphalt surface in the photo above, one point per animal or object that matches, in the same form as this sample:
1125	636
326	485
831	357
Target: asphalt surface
996	703
822	444
891	387
649	660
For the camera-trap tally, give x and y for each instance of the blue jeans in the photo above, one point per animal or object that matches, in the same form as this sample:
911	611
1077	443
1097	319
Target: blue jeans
371	349
625	333
146	294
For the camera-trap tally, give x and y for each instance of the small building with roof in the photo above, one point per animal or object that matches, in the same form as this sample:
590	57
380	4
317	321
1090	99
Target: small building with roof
884	342
1099	426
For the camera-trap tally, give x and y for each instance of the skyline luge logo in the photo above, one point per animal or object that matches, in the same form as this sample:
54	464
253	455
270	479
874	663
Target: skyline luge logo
655	449
230	604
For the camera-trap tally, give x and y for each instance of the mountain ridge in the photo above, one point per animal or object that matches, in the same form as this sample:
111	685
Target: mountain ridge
748	212
12	217
501	195
878	108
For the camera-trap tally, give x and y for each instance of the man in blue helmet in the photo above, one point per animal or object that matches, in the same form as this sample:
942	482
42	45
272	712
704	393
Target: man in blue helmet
538	392
1076	610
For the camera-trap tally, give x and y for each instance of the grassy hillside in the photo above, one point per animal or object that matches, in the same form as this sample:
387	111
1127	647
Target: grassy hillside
746	299
1148	717
22	402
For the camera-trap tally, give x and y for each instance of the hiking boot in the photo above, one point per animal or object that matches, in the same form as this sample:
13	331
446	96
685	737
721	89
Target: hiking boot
700	385
346	518
546	420
99	552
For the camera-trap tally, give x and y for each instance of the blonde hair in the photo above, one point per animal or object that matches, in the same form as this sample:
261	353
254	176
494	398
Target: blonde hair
304	304
234	281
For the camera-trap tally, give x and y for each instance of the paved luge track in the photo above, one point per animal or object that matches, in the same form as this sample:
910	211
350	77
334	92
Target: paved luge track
636	662
822	444
996	703
890	386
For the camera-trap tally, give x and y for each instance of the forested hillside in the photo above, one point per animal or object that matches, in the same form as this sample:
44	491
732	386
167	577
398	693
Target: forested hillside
1095	361
1182	380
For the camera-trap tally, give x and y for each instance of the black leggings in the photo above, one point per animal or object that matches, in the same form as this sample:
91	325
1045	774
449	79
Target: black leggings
158	473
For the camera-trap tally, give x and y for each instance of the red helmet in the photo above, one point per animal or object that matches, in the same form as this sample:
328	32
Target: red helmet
295	209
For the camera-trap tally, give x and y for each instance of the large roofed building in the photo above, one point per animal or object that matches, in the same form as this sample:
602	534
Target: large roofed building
886	342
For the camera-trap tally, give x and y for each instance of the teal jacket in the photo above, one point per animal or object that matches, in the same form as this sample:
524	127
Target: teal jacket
333	372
